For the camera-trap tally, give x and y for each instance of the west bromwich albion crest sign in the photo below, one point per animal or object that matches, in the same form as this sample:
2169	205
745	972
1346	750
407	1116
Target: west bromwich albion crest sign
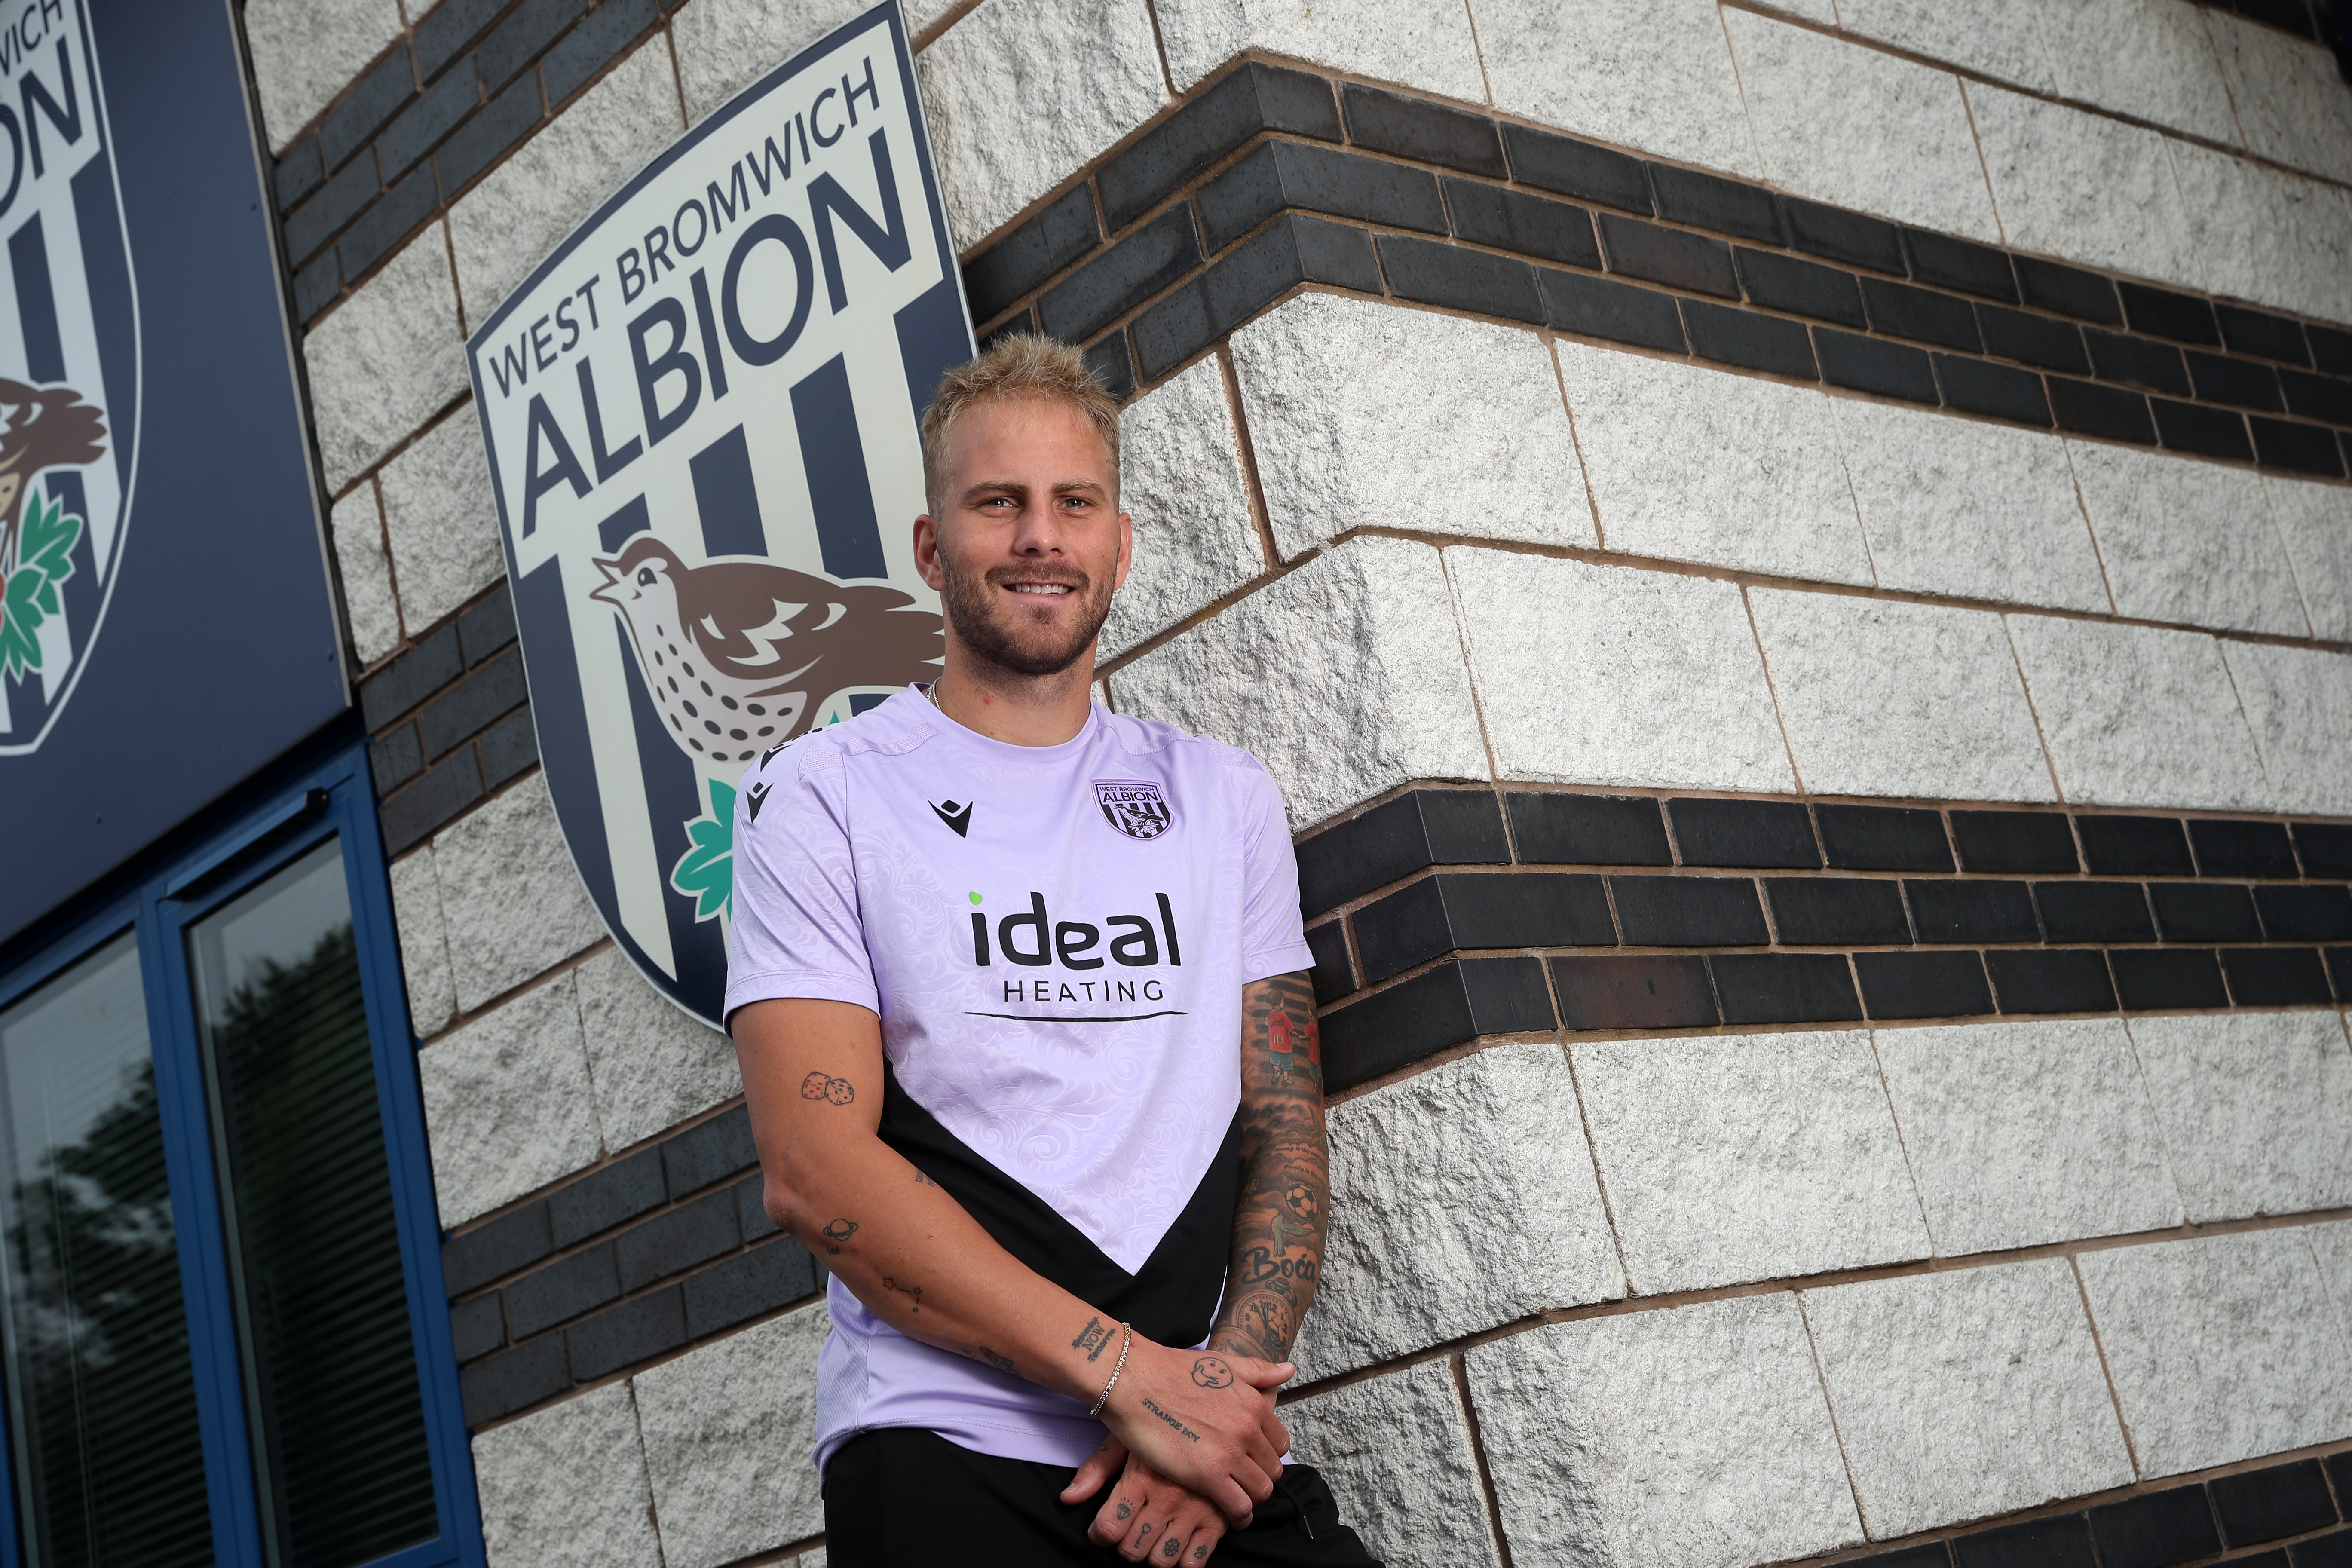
702	419
69	366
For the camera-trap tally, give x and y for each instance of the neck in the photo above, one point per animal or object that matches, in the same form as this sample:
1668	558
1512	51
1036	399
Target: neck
1019	709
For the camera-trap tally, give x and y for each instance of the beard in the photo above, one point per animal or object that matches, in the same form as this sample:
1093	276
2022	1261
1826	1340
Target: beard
992	628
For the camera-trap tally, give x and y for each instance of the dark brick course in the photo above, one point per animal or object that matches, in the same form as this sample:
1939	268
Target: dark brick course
1670	255
1922	985
1620	312
1577	169
2208	432
1688	911
1423	131
1253	99
1511	220
1882	838
1743	833
1960	264
1800	287
1445	1006
1784	988
1588	829
2271	1504
1920	314
1633	991
2051	980
1421	829
1872	364
1462	279
1836	912
1730	336
1711	202
1969	911
1998	841
2156	1529
2135	846
2041	340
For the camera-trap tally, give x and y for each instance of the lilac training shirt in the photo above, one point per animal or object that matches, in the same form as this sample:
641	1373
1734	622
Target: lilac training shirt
1055	940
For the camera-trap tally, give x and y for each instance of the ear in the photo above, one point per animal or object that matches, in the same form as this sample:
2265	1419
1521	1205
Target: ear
1126	551
926	552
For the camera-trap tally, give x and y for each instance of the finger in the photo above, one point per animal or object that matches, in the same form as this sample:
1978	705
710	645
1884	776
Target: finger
1234	1502
1263	1374
1116	1521
1101	1465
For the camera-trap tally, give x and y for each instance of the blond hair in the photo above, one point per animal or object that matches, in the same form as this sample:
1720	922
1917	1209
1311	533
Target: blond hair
1021	366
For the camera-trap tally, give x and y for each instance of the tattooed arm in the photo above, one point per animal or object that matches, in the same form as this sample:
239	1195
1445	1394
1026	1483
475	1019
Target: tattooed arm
1276	1258
1279	1218
909	1252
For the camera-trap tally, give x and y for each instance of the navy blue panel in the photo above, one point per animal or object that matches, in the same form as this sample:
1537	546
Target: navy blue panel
836	461
614	531
100	229
728	503
934	337
673	799
36	303
859	701
219	647
559	715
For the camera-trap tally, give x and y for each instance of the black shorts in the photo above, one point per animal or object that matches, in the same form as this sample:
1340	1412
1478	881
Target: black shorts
904	1497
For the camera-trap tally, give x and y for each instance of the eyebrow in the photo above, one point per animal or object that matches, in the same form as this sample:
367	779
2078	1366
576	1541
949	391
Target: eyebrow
979	488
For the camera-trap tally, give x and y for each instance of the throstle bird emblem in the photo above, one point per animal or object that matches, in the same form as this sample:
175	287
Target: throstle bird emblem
738	653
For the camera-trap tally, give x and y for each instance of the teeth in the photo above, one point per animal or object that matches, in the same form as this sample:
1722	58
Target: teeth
1041	587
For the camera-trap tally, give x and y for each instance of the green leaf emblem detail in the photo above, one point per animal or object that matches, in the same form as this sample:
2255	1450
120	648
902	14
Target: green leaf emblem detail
44	562
706	872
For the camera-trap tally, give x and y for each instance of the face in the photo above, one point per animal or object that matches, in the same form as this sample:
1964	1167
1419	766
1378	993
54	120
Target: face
1029	543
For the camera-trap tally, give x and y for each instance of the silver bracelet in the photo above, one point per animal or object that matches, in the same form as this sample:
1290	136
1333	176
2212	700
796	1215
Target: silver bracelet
1125	1345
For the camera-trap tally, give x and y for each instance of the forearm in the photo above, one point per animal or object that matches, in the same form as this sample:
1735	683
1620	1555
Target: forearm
918	1261
1280	1217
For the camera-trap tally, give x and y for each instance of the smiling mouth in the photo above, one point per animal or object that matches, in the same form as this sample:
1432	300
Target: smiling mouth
1051	588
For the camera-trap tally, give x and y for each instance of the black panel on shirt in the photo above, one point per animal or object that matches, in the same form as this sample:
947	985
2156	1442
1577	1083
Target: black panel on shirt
1172	1299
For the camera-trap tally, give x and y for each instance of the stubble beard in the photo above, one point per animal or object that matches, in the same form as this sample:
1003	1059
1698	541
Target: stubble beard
988	629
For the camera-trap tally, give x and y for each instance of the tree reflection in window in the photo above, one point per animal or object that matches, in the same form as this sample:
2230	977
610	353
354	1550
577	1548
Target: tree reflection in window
101	1400
330	1366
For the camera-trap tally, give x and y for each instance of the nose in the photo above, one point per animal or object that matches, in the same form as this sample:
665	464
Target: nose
1038	532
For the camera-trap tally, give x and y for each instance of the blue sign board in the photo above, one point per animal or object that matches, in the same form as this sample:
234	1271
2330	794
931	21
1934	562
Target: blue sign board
166	623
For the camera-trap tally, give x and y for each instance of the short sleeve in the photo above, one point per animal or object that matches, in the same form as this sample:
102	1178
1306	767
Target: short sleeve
796	932
1273	941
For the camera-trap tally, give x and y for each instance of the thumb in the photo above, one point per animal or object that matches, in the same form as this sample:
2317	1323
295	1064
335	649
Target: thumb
1100	1467
1262	1374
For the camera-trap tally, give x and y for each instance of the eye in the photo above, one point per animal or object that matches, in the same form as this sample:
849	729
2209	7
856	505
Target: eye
645	576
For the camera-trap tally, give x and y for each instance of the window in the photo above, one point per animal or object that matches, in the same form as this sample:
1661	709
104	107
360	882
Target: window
221	1331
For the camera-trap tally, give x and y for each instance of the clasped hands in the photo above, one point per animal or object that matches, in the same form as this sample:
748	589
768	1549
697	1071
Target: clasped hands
1194	1447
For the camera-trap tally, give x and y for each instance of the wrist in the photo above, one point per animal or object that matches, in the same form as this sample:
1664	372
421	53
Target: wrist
1117	1370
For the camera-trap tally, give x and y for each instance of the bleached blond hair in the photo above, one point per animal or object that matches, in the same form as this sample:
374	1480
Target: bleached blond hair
1024	366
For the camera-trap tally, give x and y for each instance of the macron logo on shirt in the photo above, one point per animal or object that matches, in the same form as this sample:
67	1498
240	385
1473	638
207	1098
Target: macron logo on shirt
956	817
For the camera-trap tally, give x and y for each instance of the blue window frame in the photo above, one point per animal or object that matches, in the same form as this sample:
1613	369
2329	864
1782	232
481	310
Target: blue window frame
237	1146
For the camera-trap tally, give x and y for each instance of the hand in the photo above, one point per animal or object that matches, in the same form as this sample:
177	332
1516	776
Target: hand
1205	1421
1147	1516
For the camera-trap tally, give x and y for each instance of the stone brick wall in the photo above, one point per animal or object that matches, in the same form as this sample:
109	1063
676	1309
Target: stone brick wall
1792	559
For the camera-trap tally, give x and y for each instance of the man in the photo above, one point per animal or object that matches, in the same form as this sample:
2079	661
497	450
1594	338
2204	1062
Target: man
1018	987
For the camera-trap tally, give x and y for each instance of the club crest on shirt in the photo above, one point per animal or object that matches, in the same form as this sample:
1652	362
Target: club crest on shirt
1134	806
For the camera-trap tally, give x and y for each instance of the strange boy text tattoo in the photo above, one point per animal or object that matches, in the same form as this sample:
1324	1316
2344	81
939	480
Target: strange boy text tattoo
1182	1430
